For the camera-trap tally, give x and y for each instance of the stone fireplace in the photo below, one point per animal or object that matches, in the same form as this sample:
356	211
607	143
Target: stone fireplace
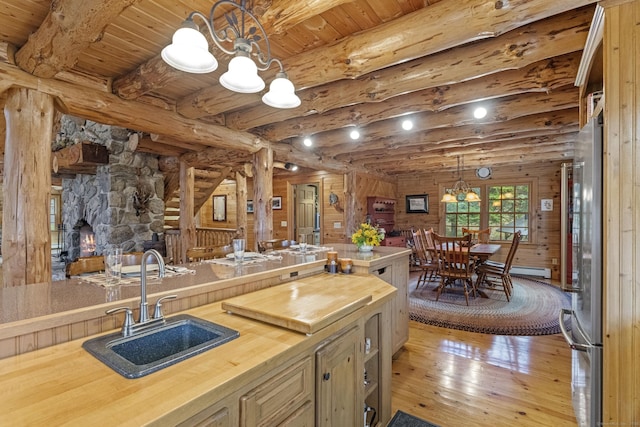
110	201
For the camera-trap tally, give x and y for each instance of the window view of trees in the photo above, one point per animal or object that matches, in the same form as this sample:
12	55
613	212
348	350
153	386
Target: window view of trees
504	209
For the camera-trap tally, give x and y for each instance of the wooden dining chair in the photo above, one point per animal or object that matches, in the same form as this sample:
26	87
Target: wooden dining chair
454	263
208	252
269	245
427	261
89	264
497	274
478	236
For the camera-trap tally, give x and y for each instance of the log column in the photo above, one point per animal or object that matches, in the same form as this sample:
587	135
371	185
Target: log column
241	204
351	222
263	195
26	247
187	219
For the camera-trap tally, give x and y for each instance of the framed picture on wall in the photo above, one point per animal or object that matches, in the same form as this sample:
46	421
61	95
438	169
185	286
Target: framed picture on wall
276	203
219	208
249	206
418	203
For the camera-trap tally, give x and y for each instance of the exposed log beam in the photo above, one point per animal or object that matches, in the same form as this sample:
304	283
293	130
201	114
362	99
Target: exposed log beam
380	47
542	76
109	109
69	28
215	156
506	52
507	108
550	122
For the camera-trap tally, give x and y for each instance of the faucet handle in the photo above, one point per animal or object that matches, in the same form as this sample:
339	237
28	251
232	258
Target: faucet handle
128	319
157	311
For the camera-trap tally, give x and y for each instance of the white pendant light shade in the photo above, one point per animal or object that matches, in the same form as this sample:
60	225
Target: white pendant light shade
448	198
242	76
189	51
281	93
471	197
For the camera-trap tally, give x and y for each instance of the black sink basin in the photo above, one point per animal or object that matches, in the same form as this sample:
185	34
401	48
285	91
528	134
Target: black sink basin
181	337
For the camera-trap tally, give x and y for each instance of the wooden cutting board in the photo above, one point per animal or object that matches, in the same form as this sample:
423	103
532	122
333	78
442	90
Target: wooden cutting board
304	307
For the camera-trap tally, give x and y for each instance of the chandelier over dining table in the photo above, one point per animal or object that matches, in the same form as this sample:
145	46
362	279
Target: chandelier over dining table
189	52
454	194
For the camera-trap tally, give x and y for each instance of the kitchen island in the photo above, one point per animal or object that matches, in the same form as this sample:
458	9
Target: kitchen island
267	376
41	315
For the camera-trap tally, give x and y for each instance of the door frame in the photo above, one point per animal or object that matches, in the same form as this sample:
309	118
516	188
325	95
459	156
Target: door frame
291	206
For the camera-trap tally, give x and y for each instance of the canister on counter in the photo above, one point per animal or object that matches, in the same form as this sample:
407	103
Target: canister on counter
332	262
346	265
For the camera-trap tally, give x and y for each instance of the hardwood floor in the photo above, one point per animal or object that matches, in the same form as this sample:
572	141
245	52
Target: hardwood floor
455	378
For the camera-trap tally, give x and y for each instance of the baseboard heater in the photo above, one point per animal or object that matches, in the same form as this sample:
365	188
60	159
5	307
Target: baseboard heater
531	271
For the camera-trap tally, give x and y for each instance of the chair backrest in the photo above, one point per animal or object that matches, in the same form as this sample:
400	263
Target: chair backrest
517	236
208	252
453	256
266	245
420	246
478	236
90	264
428	236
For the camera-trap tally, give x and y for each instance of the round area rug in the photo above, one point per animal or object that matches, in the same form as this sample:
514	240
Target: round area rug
533	310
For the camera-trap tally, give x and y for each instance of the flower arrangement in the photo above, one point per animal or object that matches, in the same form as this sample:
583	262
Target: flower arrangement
366	234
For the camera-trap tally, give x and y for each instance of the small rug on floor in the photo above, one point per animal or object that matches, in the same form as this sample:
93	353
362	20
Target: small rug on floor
402	419
533	310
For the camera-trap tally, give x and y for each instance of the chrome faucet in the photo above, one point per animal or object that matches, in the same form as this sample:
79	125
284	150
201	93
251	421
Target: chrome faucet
144	309
129	327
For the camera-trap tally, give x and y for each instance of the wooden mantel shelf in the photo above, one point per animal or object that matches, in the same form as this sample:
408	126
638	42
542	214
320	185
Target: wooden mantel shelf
83	157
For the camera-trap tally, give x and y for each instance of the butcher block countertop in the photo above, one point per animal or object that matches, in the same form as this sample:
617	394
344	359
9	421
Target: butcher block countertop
66	385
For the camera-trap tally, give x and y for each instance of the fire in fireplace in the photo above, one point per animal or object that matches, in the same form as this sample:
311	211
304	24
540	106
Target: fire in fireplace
87	240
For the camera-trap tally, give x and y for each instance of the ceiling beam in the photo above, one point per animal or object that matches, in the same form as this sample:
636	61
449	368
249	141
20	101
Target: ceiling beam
68	29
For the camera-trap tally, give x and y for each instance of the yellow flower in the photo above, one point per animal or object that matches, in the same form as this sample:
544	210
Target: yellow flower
366	234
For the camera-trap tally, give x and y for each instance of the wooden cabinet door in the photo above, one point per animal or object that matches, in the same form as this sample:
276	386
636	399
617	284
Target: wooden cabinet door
221	414
340	381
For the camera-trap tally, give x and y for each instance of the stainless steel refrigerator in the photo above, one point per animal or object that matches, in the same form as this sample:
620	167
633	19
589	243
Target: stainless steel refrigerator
582	246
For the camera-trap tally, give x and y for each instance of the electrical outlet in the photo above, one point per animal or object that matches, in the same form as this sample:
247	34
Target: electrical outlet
554	261
283	223
337	225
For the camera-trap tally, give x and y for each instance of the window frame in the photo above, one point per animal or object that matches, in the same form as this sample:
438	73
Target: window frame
484	203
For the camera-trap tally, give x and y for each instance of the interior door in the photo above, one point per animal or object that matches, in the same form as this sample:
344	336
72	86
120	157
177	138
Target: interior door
306	198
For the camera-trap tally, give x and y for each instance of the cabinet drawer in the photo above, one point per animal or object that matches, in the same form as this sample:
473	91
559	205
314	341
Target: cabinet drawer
277	398
385	273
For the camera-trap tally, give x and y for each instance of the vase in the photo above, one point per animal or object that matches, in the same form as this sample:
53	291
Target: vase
365	248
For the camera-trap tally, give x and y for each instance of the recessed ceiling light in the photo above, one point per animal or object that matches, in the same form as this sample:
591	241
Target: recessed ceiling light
480	113
354	134
307	142
407	124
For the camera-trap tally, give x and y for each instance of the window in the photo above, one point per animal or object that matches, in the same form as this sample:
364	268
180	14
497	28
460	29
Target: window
462	215
508	208
504	209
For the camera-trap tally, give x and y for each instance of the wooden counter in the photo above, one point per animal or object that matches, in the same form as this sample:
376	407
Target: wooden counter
41	315
64	384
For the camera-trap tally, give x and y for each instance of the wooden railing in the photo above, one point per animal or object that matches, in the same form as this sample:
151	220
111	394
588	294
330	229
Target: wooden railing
204	237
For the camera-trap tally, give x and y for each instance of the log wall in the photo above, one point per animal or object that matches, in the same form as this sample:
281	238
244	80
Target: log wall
544	247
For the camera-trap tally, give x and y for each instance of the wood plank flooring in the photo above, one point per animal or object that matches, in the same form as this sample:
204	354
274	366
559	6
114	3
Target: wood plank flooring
455	378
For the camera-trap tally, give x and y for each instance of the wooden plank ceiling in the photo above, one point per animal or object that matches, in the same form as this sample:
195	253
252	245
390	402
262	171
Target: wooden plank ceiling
356	64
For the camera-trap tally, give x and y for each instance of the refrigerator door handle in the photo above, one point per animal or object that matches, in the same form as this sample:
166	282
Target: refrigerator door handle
574	345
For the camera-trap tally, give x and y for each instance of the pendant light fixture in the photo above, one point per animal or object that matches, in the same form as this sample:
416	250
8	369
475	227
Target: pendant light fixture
460	187
189	52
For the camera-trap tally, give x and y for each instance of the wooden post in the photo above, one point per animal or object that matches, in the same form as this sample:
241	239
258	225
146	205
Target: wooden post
241	204
187	220
263	195
26	247
351	221
621	204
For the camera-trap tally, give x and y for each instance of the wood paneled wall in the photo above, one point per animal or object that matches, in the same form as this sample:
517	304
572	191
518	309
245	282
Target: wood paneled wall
543	249
621	252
